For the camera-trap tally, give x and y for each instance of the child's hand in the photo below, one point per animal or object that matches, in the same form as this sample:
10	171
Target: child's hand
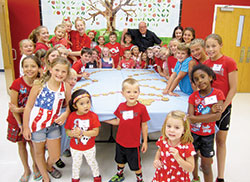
216	108
61	119
77	132
144	147
174	152
157	164
173	94
85	75
27	133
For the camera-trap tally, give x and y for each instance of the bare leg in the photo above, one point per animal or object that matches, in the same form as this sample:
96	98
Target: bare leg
54	148
195	172
221	137
23	154
206	165
35	168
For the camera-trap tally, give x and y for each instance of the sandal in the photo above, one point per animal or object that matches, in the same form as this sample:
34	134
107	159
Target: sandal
60	163
55	173
24	179
37	176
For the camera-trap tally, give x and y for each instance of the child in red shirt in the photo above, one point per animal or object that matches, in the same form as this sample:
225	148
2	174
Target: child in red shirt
205	108
127	62
136	56
82	126
132	118
40	37
79	66
79	38
100	46
59	37
127	43
143	60
115	48
172	60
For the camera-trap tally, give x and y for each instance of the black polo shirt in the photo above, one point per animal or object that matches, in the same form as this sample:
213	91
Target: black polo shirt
143	42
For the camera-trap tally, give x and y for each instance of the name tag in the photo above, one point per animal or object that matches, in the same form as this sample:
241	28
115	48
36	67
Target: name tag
211	100
128	115
217	67
61	95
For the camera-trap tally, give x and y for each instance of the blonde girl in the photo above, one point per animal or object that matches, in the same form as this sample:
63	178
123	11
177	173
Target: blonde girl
172	57
82	126
164	53
26	48
143	60
19	92
68	27
79	38
197	48
174	159
59	37
226	72
106	59
41	116
40	37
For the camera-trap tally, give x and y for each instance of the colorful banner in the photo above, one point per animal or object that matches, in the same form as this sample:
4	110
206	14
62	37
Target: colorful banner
161	16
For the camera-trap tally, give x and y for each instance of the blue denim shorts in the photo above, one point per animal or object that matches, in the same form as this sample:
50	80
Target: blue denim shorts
50	133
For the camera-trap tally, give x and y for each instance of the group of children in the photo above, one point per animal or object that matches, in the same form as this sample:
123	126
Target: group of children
42	106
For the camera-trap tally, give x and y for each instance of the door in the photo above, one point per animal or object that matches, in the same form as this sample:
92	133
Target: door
232	23
6	43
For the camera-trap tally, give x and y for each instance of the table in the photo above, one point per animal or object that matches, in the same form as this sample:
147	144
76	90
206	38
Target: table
105	87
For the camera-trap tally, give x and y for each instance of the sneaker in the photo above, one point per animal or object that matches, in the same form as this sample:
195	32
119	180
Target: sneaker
60	163
222	180
196	180
98	179
116	178
67	153
75	180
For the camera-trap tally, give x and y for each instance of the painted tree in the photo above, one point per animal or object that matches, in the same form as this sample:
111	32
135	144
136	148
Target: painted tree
109	10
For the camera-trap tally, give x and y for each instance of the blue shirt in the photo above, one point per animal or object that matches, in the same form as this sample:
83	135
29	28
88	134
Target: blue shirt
185	84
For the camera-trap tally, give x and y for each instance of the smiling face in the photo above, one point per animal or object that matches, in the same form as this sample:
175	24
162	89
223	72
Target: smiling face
112	39
135	51
128	39
43	35
144	56
53	55
197	51
127	54
27	48
91	35
150	54
188	36
181	55
213	49
174	130
59	72
80	27
83	105
178	34
68	26
156	52
30	68
173	47
101	41
105	52
131	93
143	28
85	57
203	81
60	33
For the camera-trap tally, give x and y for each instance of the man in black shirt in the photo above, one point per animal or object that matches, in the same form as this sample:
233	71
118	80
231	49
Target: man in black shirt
142	37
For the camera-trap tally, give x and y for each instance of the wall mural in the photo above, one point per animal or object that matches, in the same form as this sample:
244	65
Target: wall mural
105	16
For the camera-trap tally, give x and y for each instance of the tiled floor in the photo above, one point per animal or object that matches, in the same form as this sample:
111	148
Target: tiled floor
237	167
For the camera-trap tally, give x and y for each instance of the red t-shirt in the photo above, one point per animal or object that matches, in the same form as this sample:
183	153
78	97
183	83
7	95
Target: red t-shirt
99	50
201	107
115	50
222	67
129	129
62	41
86	122
171	170
171	64
79	67
78	42
123	48
159	62
127	64
40	45
23	90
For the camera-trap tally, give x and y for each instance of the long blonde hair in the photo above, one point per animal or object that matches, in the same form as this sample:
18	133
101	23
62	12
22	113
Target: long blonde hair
35	32
180	115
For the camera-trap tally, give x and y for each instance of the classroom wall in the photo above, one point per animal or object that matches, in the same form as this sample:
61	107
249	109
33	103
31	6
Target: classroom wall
25	16
199	14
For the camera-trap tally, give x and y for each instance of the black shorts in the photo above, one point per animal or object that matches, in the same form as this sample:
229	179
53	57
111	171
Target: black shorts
205	144
224	122
128	155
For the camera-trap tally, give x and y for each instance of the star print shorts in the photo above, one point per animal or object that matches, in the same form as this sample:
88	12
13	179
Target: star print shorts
50	133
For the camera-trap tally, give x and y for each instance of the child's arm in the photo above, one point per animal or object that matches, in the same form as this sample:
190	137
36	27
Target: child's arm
170	81
14	103
115	121
26	114
100	63
176	81
157	161
191	64
187	165
90	133
145	137
233	80
62	118
204	118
